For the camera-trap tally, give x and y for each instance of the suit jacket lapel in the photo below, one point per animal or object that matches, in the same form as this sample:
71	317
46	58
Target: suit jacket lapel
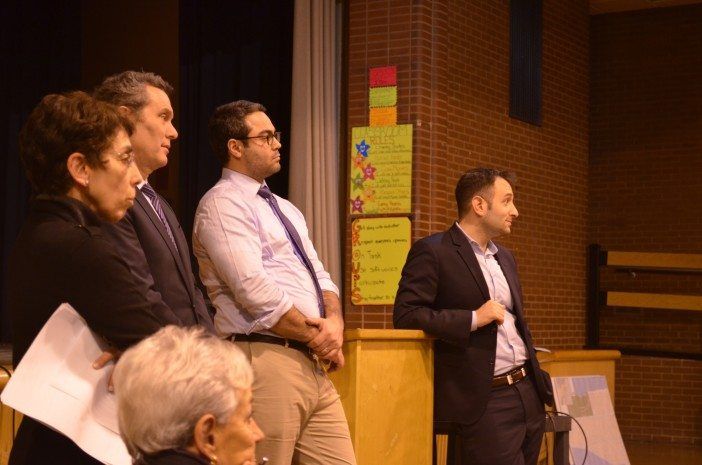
151	213
511	277
512	280
183	249
468	256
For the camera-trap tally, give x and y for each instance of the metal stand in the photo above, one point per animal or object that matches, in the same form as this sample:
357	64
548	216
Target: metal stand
560	426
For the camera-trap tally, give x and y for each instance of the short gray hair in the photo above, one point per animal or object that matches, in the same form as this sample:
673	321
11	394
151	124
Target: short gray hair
168	381
128	88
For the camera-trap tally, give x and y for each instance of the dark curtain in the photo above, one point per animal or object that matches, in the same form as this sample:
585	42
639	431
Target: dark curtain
41	54
230	51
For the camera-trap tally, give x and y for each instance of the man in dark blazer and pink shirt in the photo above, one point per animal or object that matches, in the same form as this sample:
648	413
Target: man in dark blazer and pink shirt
463	289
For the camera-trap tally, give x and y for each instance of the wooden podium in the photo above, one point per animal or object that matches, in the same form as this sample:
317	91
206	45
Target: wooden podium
581	363
387	392
574	363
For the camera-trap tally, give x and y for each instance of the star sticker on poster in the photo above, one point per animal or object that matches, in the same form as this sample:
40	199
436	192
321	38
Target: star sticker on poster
369	172
357	205
358	161
363	148
357	182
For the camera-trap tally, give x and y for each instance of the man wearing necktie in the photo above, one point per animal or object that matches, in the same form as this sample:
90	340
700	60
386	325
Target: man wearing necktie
149	237
273	297
462	288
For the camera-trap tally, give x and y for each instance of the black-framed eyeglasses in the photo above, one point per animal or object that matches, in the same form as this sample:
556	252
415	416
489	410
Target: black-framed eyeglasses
270	137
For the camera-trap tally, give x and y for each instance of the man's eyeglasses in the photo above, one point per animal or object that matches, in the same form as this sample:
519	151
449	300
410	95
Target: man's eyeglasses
270	137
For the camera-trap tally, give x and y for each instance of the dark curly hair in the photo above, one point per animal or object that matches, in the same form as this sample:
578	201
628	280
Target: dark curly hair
60	125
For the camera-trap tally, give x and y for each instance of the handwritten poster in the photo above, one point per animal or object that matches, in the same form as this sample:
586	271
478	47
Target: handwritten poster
381	169
383	116
384	76
382	97
379	249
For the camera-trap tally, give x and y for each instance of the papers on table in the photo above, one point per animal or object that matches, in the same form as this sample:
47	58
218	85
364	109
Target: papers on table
56	385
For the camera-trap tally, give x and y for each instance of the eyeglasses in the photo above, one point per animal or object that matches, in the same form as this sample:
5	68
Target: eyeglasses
125	157
270	137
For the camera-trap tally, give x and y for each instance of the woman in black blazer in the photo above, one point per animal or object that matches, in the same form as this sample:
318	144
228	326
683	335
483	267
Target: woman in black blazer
78	158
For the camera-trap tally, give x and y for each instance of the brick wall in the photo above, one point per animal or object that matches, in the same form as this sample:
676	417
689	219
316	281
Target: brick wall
645	191
453	79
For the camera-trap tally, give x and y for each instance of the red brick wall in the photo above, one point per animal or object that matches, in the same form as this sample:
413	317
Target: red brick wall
659	400
453	82
645	191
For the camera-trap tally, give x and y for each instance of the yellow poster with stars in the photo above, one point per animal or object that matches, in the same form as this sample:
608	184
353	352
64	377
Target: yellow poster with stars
379	248
381	170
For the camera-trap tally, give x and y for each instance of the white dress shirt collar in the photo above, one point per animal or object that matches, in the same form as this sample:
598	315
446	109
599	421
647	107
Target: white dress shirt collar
491	247
246	183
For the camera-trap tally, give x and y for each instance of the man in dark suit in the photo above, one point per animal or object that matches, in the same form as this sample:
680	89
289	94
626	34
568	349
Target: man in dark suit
149	237
463	289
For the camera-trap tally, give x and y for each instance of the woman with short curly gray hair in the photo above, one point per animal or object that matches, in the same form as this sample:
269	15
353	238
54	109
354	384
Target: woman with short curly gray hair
184	397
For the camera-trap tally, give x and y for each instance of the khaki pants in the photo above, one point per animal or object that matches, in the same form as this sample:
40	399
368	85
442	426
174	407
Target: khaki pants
297	408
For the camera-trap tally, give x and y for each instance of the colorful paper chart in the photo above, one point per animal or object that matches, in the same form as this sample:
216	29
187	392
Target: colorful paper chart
383	116
382	97
379	249
381	170
384	76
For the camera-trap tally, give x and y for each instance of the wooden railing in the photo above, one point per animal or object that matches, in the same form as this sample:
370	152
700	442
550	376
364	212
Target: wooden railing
9	420
633	263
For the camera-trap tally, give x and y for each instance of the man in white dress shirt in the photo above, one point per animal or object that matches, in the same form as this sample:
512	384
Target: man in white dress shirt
272	295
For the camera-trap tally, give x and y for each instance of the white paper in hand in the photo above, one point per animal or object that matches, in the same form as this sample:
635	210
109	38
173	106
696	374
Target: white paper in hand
56	385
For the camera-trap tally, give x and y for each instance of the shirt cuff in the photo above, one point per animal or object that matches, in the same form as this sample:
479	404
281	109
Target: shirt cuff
474	321
328	285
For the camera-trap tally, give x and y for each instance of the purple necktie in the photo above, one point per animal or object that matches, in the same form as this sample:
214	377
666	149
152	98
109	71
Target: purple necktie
149	191
294	237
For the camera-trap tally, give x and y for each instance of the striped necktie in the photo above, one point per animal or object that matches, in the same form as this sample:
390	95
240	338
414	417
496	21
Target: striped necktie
149	192
296	242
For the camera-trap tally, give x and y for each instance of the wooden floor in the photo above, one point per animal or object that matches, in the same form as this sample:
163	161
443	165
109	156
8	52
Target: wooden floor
645	453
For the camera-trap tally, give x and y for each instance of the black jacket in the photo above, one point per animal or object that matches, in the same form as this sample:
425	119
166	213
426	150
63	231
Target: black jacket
163	271
440	286
60	256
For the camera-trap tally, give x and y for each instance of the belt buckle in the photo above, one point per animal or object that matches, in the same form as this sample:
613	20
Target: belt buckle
523	370
510	381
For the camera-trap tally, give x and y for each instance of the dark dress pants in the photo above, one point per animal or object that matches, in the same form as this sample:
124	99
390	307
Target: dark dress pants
510	430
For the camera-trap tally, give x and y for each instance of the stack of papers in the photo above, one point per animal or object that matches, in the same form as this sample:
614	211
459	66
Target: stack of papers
56	385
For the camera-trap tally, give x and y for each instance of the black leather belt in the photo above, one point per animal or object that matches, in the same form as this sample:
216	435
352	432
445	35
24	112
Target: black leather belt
511	377
255	337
